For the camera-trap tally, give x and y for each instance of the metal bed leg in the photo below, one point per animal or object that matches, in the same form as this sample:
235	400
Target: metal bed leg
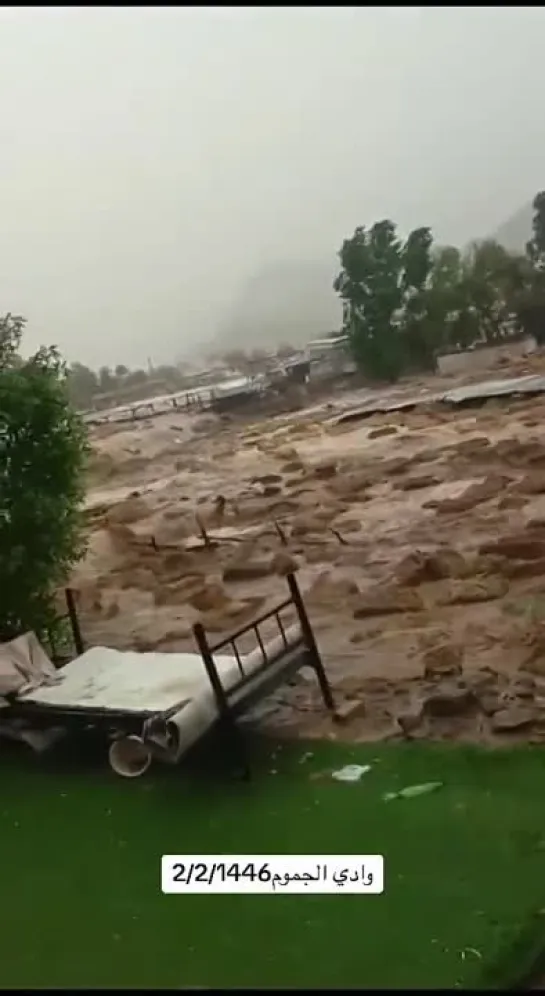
323	681
306	629
236	748
227	722
74	621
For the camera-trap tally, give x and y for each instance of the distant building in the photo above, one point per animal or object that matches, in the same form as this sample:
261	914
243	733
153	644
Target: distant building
329	356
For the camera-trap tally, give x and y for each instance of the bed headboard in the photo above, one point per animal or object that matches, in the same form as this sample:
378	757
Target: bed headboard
288	641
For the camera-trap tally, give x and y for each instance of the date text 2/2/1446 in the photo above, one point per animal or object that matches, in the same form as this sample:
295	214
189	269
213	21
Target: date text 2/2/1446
361	874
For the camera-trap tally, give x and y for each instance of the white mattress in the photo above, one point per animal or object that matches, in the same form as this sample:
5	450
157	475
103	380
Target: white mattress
129	681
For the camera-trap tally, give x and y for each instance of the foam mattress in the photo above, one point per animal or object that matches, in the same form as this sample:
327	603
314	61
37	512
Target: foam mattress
128	681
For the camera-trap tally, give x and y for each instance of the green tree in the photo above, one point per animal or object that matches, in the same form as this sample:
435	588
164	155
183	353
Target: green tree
169	374
136	377
491	277
535	248
404	301
11	333
370	287
106	380
43	449
384	285
472	296
418	329
82	385
121	371
530	301
450	315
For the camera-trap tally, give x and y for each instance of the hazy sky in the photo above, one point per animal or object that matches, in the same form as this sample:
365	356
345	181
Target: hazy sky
152	159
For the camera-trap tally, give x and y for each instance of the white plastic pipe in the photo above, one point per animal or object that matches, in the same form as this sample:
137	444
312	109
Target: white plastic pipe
129	757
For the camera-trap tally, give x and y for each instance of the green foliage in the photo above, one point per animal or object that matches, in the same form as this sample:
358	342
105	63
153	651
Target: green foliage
82	385
535	248
11	333
417	324
530	301
136	377
531	314
43	451
491	277
369	284
454	320
106	380
383	283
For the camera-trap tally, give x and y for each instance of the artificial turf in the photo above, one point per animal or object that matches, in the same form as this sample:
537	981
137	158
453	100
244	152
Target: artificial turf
465	871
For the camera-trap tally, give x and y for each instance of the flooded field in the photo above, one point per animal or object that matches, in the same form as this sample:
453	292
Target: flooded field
419	538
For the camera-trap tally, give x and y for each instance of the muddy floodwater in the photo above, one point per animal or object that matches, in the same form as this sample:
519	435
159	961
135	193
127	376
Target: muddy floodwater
419	539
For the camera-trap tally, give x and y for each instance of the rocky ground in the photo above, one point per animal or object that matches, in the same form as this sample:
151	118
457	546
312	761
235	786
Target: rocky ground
419	539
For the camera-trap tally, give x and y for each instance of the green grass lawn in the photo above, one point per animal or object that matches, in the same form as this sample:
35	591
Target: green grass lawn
465	871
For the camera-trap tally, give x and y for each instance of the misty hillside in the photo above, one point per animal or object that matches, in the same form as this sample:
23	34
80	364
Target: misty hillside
515	233
285	302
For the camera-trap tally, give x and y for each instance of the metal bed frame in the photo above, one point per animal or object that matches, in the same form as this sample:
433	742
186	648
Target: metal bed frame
289	654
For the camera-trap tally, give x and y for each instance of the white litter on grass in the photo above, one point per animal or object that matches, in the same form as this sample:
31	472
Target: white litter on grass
473	951
412	791
351	772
